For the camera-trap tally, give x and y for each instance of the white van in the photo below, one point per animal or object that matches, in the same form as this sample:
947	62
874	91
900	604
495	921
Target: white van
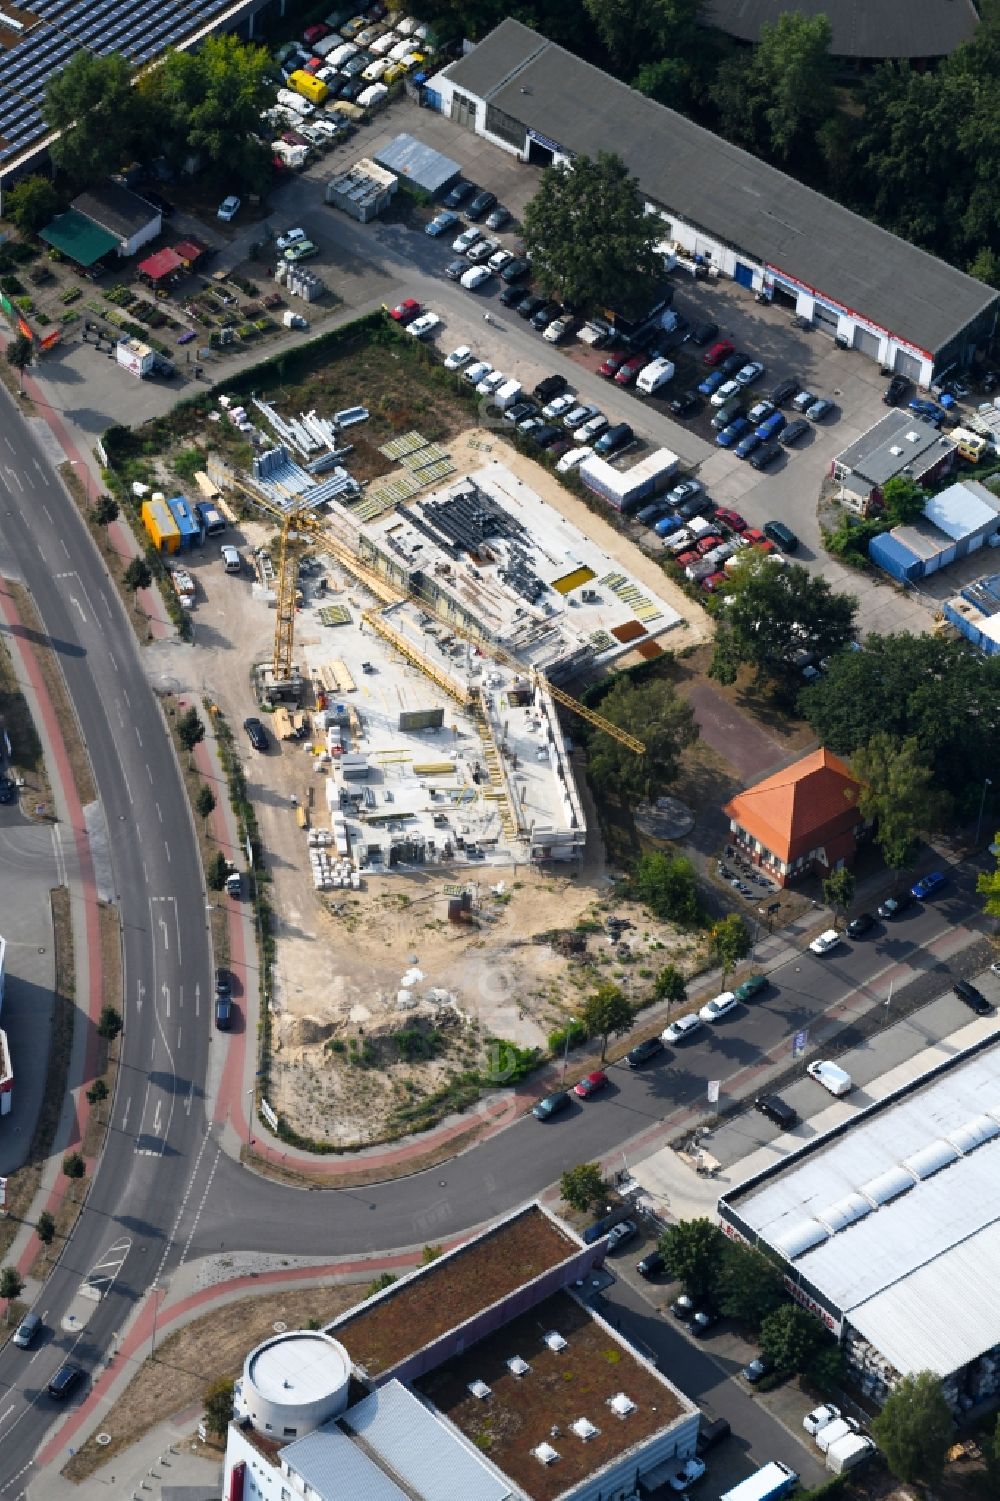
374	70
342	54
655	375
372	96
290	100
835	1079
384	44
506	395
232	560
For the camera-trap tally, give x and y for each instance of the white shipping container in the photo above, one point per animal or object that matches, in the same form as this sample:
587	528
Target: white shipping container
848	1452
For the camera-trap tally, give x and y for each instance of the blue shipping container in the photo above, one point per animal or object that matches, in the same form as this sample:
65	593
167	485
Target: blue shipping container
895	558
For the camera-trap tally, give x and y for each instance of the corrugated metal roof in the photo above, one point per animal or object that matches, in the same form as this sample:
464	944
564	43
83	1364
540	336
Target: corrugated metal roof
418	163
338	1470
963	510
713	184
427	1454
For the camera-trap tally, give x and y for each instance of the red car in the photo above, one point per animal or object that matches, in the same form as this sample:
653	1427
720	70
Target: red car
406	311
630	370
712	582
591	1084
758	540
613	363
732	519
687	558
718	352
313	65
706	544
313	34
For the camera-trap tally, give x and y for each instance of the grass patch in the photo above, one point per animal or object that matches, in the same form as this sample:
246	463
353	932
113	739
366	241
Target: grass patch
69	728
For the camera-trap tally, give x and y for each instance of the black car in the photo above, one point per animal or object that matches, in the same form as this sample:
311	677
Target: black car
480	205
352	88
459	193
65	1380
704	1318
613	439
643	1051
764	455
774	1108
651	1265
223	1012
895	390
704	333
509	296
256	734
793	432
455	270
711	1435
515	270
529	307
973	998
894	905
685	404
546	435
517	413
695	505
860	925
551	1105
785	390
545	315
8	790
223	981
552	385
729	366
499	217
758	1368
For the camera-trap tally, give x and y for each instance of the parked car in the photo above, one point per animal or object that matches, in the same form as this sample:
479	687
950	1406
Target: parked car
475	277
552	385
766	454
559	406
703	332
481	205
476	372
825	942
682	1028
785	390
510	295
683	491
894	905
719	1006
499	217
619	1234
228	209
712	1434
404	312
704	1318
690	1471
612	363
515	270
458	194
820	1417
456	269
793	432
973	998
684	1308
725	393
695	505
466	239
775	1109
421	327
572	459
591	429
499	259
591	1084
552	1105
819	409
614	439
771	426
560	328
748	373
441	223
761	410
577	415
895	390
781	535
860	925
685	404
651	1265
458	357
757	1369
928	409
928	885
256	734
289	238
751	986
223	1012
732	519
482	250
650	1047
711	383
831	1076
543	316
748	445
546	435
730	435
718	352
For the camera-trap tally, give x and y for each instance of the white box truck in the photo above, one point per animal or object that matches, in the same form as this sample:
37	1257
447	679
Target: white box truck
842	1428
848	1452
655	375
506	395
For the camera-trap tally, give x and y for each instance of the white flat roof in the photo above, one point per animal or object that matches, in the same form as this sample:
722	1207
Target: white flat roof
885	1220
300	1367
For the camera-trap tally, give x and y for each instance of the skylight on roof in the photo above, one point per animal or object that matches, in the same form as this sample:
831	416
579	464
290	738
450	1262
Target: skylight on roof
546	1454
621	1404
517	1366
554	1340
479	1389
584	1428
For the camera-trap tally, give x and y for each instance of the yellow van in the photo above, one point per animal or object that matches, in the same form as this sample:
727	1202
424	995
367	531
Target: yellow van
394	73
313	89
970	445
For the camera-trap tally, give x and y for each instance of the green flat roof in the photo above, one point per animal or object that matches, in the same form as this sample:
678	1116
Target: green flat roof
79	238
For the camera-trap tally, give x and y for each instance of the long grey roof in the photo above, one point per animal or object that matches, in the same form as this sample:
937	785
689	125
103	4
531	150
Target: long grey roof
337	1469
428	1455
899	440
714	185
861	28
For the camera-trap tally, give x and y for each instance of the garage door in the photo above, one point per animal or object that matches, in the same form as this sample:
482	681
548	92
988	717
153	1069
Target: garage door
743	275
867	342
908	365
826	318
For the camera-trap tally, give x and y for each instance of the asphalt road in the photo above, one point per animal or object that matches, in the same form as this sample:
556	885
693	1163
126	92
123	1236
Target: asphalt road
152	1156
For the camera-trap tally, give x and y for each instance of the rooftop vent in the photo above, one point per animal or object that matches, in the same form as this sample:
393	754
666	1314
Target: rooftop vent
554	1340
545	1454
895	450
621	1404
584	1428
517	1366
479	1389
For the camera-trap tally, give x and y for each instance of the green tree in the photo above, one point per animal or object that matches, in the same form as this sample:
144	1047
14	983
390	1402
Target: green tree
991	1453
605	1012
729	942
985	266
11	1287
429	1254
218	870
209	103
766	615
103	121
749	1285
106	510
587	234
904	500
838	891
914	1429
204	803
30	203
633	30
793	70
74	1166
582	1186
668	886
826	1368
670	986
109	1023
190	729
138	575
218	1400
97	1092
791	1337
693	1252
988	886
380	1283
45	1228
898	793
654	714
20	352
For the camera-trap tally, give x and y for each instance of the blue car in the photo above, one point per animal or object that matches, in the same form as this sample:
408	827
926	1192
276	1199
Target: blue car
711	383
737	429
928	409
667	525
928	885
746	446
771	426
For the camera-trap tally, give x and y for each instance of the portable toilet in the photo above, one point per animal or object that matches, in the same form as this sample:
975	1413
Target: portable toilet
159	522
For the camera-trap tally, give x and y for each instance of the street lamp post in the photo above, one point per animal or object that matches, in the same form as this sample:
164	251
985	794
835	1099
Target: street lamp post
987	784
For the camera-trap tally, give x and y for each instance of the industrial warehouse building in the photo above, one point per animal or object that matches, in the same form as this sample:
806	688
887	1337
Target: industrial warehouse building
856	282
480	1377
956	523
887	1228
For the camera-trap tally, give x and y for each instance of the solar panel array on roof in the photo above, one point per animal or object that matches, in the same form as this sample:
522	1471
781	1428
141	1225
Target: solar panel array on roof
66	26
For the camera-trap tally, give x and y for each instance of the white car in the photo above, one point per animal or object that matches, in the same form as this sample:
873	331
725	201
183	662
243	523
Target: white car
475	277
458	357
718	1006
572	458
825	942
591	429
499	259
289	238
559	406
482	250
466	238
424	325
293	101
837	1080
681	1028
819	1417
475	373
726	392
692	1470
490	383
228	209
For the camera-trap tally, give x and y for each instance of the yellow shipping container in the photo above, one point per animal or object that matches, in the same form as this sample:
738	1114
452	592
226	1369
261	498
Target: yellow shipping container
313	89
160	525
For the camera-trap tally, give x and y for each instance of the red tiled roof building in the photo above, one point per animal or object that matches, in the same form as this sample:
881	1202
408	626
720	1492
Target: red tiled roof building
803	820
